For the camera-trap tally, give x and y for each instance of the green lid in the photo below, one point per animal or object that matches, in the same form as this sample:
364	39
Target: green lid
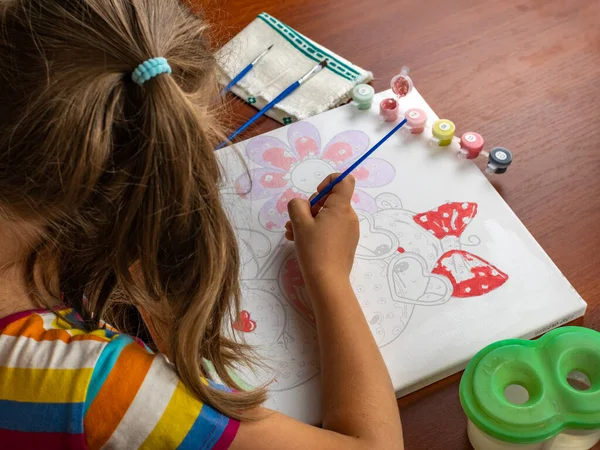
546	369
363	94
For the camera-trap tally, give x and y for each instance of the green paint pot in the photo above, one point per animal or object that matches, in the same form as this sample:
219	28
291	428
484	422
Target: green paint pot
363	96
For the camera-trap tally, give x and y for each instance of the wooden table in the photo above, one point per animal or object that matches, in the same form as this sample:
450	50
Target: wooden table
523	73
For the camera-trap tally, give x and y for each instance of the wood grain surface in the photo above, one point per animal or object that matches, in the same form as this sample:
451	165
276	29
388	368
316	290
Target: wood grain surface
523	73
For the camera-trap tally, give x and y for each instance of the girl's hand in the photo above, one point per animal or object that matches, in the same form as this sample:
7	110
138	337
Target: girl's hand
326	236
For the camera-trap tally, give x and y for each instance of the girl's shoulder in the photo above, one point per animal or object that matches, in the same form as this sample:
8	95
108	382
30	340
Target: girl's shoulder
95	389
64	326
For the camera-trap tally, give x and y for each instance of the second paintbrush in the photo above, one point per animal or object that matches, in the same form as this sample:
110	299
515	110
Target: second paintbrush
245	71
273	102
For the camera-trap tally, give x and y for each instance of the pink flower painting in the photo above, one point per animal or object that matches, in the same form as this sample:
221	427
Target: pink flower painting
295	169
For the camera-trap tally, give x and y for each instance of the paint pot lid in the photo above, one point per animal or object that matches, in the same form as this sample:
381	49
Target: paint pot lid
501	157
402	84
363	93
443	129
416	117
472	142
547	402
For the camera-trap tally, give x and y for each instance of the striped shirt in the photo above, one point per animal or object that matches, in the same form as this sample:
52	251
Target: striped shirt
64	388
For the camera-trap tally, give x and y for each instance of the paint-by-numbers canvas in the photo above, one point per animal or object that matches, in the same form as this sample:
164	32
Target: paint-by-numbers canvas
443	266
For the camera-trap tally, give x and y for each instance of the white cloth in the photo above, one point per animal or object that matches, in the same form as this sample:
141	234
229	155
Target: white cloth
291	57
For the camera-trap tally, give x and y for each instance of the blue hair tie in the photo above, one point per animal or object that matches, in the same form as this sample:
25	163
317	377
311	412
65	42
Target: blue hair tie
150	69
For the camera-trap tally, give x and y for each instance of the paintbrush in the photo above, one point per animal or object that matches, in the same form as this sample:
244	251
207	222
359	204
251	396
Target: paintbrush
291	88
246	69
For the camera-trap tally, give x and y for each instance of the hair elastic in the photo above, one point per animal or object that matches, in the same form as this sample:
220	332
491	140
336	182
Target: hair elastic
150	69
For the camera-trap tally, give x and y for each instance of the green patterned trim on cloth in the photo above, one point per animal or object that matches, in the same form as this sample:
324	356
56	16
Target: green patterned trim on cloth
310	50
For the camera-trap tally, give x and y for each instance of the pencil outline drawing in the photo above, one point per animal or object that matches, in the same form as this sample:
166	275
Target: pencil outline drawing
404	259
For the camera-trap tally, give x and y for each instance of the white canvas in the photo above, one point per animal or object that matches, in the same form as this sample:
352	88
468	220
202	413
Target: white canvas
443	268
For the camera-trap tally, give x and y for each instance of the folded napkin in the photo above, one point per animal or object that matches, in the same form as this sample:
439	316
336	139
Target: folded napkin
291	57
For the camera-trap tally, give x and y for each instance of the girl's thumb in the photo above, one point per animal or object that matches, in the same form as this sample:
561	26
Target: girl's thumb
299	211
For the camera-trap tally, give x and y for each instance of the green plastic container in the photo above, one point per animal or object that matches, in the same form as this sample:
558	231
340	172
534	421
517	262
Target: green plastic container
542	394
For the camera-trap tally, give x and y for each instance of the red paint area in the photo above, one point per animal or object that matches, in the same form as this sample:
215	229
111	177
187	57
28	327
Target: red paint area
401	250
244	323
273	180
450	219
361	173
338	153
469	274
483	277
285	199
276	156
304	149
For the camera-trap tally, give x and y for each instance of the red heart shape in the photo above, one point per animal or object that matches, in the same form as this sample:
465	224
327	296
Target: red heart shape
244	323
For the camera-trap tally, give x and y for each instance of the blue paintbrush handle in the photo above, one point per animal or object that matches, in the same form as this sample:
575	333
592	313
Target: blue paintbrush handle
261	113
239	76
357	163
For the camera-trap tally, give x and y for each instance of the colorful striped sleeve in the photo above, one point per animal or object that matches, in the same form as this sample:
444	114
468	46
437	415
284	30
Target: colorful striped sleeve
44	375
135	400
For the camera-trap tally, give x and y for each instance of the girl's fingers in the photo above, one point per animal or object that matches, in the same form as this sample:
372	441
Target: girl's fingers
315	209
328	179
289	231
343	191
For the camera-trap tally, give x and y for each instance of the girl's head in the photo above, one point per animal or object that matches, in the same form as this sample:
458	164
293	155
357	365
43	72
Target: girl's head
120	182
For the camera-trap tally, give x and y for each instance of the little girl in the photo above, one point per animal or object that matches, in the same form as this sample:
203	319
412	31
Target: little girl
110	213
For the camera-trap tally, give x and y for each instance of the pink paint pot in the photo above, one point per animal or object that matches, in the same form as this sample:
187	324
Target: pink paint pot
416	119
388	109
471	144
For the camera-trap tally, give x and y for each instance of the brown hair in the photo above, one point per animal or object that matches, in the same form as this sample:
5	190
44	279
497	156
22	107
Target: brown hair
118	175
